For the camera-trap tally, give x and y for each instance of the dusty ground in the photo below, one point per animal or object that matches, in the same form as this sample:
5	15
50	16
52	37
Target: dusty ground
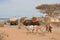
21	34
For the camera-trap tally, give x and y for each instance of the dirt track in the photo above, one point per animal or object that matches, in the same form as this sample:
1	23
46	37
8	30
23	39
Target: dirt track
21	34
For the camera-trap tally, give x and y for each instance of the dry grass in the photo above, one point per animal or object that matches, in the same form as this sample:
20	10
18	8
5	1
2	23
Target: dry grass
3	36
1	24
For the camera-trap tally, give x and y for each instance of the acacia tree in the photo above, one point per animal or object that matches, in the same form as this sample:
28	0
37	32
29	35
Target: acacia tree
52	10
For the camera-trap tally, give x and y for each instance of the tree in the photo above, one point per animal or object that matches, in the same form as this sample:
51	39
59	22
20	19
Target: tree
52	10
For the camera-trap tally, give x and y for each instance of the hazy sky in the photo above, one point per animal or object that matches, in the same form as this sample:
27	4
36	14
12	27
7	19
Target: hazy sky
22	8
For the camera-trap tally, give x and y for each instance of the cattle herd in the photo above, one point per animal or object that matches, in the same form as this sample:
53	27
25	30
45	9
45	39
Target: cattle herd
32	24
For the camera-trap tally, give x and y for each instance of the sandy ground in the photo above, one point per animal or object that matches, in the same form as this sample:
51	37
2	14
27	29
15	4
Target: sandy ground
21	34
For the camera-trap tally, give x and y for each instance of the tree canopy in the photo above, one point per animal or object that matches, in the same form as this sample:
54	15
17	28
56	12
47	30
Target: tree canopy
52	10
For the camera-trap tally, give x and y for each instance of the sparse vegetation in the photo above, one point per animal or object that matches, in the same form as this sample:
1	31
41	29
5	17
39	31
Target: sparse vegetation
3	36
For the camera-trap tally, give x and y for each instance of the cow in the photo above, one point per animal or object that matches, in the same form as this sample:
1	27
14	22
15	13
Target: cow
31	25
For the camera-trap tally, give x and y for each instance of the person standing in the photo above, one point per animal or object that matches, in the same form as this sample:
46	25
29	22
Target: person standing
49	27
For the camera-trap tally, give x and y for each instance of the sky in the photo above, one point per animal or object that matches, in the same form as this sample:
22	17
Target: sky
21	8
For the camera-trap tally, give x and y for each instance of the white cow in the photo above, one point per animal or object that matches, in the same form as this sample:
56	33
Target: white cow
34	28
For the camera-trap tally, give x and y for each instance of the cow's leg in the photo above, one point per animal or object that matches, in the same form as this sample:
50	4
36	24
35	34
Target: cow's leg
33	30
39	29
